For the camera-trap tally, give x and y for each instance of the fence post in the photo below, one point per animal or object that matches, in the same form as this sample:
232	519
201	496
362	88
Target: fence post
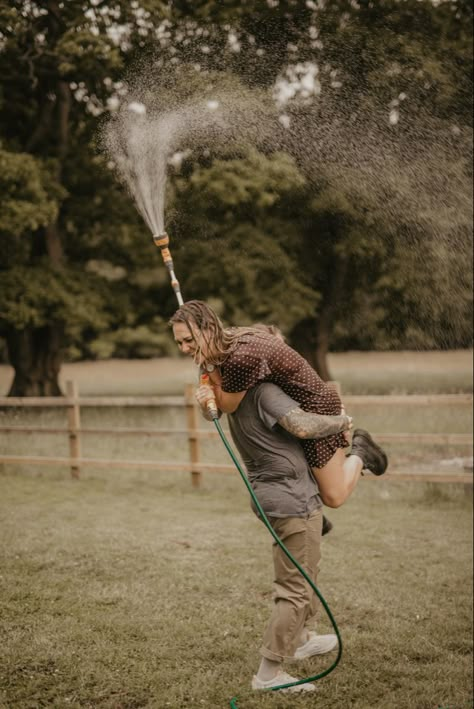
193	438
74	427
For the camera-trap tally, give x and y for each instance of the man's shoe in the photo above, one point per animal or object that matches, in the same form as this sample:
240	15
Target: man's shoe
316	645
327	526
373	457
282	678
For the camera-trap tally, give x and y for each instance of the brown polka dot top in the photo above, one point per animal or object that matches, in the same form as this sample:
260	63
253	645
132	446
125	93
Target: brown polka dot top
261	357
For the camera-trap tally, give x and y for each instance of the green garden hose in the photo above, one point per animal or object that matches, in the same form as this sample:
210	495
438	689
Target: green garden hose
233	701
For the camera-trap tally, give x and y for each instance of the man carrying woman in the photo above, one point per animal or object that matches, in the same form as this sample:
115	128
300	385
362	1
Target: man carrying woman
237	359
252	372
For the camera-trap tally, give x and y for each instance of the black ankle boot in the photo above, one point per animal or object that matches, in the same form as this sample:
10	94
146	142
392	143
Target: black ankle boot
327	526
373	457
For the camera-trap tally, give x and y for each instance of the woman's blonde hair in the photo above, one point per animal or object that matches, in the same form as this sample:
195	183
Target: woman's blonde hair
220	341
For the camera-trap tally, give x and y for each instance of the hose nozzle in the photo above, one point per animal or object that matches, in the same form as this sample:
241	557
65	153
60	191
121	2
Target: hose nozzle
162	241
211	402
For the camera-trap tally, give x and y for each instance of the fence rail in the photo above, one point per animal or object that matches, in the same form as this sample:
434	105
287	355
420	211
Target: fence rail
73	403
179	401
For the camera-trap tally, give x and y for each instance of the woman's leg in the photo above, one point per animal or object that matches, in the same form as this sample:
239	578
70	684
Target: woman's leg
338	478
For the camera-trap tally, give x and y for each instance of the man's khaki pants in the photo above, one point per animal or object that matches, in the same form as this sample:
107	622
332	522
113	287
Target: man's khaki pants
295	602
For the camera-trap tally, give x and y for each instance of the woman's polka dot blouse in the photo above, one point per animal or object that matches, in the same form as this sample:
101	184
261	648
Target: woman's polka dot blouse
261	357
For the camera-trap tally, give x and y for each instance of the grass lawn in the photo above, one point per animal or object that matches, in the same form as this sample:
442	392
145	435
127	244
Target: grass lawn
131	591
128	590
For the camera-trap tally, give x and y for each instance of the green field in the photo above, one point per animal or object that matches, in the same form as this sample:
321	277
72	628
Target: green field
129	590
358	372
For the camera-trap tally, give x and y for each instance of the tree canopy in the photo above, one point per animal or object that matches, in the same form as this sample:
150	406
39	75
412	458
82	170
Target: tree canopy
336	205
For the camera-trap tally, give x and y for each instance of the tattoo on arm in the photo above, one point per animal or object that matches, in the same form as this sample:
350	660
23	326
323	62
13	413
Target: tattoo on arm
308	425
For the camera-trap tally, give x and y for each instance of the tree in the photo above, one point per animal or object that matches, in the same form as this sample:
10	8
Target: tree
377	97
236	254
359	86
393	112
390	263
59	63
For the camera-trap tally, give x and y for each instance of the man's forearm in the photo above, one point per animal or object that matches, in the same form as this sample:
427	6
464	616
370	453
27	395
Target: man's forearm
303	424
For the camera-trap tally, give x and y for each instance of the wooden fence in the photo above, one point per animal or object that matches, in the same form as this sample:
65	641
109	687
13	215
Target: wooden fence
73	404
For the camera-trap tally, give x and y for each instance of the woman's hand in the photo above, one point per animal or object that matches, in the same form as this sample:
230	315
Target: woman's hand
204	393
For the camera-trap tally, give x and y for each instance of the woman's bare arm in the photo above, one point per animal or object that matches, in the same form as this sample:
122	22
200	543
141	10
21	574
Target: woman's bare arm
226	402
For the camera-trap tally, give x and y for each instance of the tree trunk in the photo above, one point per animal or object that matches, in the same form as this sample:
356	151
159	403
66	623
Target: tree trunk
311	340
312	337
321	364
36	355
303	339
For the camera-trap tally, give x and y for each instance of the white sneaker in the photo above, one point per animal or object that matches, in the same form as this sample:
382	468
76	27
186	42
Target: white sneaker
282	678
316	645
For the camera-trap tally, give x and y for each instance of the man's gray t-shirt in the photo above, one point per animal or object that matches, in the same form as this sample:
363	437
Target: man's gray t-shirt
276	465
